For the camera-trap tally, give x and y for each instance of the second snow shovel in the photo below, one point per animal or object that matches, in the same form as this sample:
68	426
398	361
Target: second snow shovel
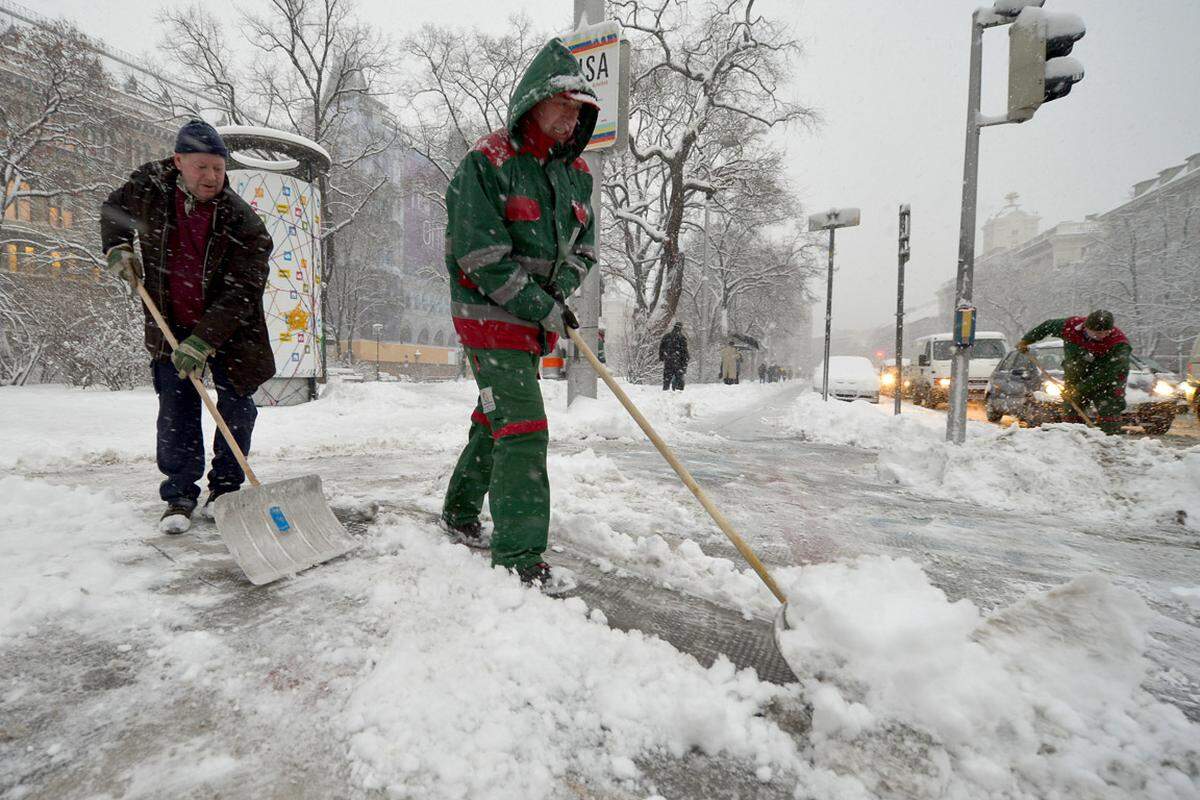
1082	414
273	529
781	621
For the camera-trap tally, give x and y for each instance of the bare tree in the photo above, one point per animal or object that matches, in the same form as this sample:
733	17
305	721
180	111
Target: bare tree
705	88
458	87
50	125
61	139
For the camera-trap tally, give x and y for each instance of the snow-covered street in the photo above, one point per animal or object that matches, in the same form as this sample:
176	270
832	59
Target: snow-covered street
1016	617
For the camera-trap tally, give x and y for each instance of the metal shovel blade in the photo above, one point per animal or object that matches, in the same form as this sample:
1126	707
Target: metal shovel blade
278	529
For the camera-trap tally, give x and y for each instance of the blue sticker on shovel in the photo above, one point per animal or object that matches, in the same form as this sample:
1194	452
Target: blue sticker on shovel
279	519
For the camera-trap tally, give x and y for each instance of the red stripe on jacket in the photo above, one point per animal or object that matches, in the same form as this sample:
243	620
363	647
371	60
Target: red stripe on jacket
517	428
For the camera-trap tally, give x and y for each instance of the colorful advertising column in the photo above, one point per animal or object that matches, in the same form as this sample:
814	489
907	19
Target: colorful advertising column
277	174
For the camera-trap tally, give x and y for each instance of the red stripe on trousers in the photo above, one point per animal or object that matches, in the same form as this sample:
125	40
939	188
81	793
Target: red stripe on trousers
515	428
481	418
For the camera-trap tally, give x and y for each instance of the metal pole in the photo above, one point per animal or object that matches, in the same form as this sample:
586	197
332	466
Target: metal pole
828	321
898	387
582	382
956	419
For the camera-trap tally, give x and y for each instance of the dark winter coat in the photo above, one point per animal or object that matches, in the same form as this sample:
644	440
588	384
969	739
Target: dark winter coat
235	269
516	223
1091	369
673	351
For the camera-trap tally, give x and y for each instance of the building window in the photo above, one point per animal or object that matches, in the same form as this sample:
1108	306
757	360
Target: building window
12	258
24	207
55	217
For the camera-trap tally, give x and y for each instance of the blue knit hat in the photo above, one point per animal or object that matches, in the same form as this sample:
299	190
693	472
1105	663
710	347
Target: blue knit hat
200	137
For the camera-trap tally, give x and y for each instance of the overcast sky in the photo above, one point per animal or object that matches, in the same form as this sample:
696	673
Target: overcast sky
889	79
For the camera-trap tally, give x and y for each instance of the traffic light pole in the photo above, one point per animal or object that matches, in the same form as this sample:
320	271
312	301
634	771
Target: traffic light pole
956	419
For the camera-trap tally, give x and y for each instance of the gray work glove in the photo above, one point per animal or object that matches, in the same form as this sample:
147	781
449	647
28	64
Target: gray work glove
559	319
123	263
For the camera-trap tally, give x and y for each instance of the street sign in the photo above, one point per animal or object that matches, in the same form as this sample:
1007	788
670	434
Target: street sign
834	218
605	63
964	326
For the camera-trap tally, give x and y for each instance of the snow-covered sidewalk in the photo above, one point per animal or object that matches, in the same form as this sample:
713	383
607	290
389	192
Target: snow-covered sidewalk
136	665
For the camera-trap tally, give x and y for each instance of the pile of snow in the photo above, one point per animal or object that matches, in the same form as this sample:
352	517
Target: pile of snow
72	574
487	689
1041	699
1055	469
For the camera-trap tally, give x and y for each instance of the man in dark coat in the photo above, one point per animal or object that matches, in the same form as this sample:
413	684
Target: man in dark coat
673	352
1095	364
203	260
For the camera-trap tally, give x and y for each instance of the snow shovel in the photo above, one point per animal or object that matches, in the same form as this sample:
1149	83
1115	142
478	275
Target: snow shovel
1082	414
274	529
781	622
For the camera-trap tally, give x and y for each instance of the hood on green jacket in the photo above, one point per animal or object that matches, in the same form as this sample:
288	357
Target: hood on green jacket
553	71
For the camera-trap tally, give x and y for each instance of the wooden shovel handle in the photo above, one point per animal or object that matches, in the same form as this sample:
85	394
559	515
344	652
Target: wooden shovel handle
679	468
208	401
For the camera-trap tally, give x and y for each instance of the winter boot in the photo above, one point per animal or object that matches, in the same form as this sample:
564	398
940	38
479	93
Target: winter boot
468	533
208	510
549	580
177	518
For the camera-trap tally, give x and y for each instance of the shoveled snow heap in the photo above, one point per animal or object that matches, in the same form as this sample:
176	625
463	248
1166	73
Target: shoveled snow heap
1059	469
919	696
486	689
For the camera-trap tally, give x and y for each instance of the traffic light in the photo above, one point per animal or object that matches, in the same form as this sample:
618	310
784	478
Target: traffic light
1040	68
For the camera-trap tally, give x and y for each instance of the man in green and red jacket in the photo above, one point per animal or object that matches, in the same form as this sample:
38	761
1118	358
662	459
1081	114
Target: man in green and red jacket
520	238
1095	364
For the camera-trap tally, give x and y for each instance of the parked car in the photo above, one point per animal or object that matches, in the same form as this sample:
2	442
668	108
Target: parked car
1153	398
931	377
888	377
850	378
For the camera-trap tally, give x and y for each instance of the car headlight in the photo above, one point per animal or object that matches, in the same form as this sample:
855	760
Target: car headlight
888	379
1053	389
944	382
1164	389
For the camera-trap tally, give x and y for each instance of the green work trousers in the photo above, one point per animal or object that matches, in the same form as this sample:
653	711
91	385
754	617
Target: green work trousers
1108	408
505	458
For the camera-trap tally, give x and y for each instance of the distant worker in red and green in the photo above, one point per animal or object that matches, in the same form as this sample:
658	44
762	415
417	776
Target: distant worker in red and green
520	238
1095	364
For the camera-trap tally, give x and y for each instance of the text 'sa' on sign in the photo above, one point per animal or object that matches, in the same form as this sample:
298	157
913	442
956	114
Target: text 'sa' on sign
598	49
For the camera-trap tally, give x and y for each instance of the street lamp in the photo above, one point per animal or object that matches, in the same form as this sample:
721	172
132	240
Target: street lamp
831	220
378	328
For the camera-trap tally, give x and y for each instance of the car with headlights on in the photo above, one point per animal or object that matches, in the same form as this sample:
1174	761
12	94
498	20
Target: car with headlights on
888	377
850	378
1153	398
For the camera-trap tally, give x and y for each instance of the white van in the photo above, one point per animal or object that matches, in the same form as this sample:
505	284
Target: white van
931	375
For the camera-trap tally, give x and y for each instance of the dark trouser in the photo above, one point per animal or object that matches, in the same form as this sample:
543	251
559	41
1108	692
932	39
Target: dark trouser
672	378
181	441
505	458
